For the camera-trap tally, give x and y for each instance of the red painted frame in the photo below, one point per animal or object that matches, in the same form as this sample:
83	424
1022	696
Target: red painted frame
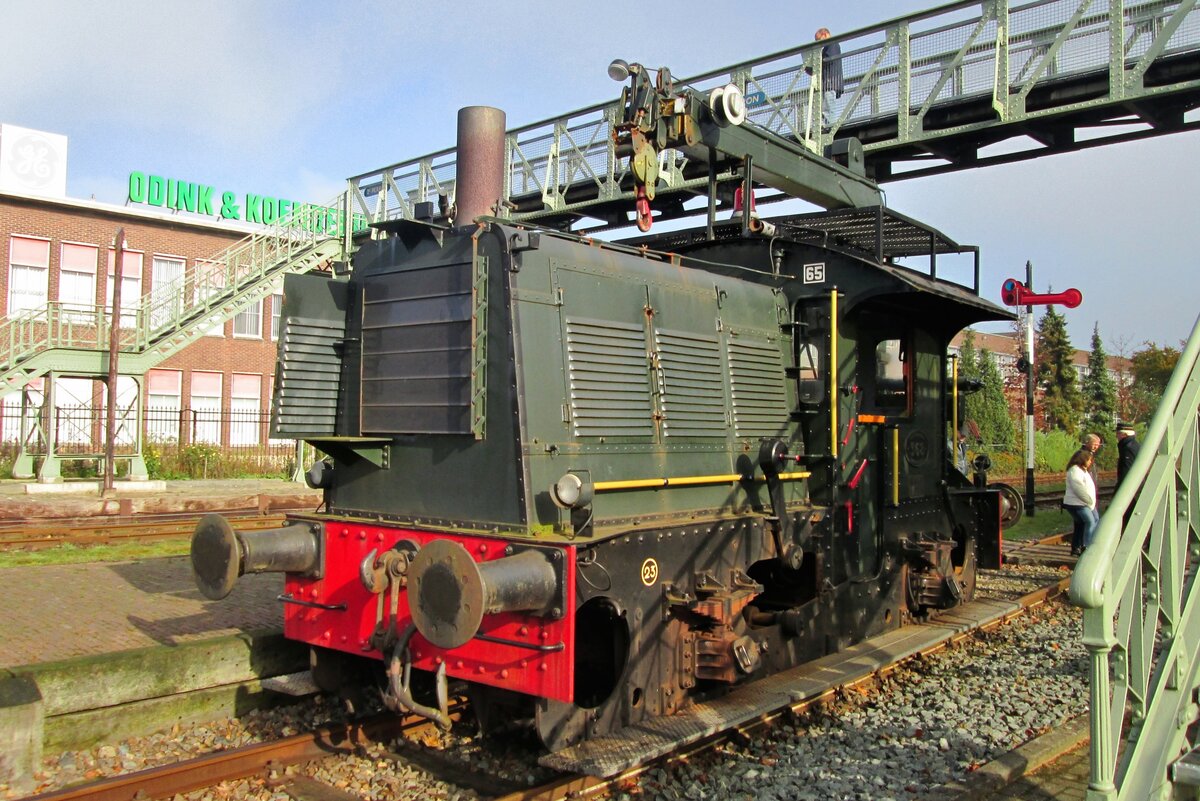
548	674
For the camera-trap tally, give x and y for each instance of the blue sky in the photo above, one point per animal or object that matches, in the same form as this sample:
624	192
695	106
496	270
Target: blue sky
290	98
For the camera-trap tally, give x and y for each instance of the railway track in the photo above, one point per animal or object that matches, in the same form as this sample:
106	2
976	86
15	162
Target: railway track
263	765
40	534
1049	499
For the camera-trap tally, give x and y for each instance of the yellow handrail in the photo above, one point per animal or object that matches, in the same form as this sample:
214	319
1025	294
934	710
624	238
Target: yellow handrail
833	385
895	466
686	481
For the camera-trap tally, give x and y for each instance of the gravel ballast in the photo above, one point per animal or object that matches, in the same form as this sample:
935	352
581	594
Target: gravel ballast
931	722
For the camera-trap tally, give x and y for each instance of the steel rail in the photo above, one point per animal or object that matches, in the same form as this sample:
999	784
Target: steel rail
580	786
205	771
51	534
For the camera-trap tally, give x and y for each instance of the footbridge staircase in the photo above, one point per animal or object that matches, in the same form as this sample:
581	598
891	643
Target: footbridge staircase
72	339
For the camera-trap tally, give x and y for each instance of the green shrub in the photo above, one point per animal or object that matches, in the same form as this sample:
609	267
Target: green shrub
1052	450
195	459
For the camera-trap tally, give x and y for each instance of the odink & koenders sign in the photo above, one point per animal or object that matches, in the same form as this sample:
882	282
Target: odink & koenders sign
172	193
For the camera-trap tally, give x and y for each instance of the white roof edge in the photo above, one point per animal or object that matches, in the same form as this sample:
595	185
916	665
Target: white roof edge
226	226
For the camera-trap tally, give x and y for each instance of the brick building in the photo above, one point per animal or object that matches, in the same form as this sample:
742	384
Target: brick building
57	252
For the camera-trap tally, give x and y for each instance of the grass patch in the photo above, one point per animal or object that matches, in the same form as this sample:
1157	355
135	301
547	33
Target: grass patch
1043	524
75	554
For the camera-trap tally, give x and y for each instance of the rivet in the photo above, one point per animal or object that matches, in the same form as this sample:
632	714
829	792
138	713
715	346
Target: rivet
544	635
345	531
479	669
437	660
504	673
524	663
362	535
542	668
524	630
312	593
458	664
482	549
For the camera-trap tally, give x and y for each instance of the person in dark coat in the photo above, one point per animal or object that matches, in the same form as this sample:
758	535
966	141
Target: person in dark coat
1127	450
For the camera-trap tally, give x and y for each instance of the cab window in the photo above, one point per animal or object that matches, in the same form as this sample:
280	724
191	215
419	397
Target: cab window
892	374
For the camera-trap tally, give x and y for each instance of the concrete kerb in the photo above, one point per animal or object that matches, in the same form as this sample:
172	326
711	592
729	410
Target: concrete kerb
1015	765
21	731
85	701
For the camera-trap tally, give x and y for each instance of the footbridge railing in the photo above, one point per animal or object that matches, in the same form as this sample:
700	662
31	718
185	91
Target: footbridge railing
75	337
1141	621
940	82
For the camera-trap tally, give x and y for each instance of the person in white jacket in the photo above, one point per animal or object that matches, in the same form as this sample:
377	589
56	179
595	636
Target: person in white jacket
1080	500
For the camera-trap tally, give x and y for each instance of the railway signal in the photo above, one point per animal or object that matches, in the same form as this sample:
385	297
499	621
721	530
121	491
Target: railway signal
1014	293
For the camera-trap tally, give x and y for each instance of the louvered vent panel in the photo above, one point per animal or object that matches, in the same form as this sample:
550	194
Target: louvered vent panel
757	385
693	384
309	374
610	382
416	350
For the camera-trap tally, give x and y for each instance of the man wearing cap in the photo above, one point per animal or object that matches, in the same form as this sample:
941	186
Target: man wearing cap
1127	450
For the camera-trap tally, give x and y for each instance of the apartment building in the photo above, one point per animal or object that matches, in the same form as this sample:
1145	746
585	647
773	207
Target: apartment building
1006	349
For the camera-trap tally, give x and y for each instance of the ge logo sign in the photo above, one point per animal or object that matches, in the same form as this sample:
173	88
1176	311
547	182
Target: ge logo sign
649	572
814	273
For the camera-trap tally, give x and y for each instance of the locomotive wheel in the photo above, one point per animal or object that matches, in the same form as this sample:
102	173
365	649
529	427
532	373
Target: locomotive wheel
1012	505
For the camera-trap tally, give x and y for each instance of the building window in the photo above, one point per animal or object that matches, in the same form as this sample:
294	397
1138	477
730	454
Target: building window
245	409
166	290
29	273
77	282
248	322
210	283
276	313
206	407
164	396
131	284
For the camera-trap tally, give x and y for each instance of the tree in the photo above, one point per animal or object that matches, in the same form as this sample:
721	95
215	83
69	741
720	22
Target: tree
968	364
1099	389
1152	367
989	407
1055	373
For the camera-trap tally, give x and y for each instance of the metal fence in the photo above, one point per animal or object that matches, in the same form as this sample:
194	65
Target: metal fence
79	430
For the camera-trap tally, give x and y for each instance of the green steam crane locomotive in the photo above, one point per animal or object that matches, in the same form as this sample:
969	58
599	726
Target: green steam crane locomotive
589	482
